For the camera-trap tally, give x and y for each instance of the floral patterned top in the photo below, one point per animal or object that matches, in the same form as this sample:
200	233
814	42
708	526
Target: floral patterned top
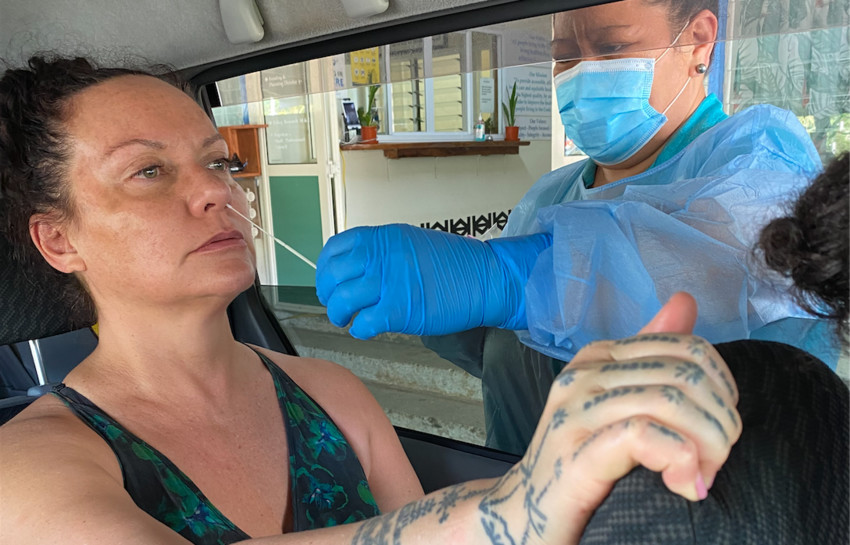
327	480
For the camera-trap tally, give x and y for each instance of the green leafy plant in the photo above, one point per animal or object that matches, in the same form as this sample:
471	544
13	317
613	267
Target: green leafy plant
368	117
509	108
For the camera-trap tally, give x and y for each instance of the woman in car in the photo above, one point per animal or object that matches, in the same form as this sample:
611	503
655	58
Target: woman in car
670	198
172	432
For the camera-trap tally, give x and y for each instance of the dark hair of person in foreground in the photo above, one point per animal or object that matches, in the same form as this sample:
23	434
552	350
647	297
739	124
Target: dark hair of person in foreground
811	245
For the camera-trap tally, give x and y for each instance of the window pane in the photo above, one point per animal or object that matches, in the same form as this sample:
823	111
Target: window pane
360	97
288	136
448	103
788	61
232	91
448	54
448	65
407	74
485	79
231	115
287	114
233	95
284	81
356	72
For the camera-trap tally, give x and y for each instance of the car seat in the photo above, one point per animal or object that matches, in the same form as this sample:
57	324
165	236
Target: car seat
785	481
31	316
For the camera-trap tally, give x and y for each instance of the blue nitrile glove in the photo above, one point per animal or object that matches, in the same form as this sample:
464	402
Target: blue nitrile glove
406	279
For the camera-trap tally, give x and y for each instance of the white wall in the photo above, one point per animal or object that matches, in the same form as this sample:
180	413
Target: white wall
418	190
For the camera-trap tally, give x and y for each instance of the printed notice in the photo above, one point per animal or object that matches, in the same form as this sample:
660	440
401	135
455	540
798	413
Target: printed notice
365	69
487	92
533	84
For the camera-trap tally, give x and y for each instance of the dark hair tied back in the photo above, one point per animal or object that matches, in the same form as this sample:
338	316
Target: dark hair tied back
812	245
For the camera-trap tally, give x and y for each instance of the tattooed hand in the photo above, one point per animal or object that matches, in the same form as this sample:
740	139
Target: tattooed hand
663	399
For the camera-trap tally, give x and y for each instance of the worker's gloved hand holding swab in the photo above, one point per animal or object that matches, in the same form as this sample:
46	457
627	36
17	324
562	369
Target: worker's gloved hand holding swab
405	279
282	243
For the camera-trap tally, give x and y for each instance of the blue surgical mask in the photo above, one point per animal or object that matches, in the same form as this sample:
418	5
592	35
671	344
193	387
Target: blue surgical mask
605	106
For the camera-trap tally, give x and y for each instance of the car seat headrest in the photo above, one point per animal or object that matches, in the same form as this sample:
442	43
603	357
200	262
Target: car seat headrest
30	309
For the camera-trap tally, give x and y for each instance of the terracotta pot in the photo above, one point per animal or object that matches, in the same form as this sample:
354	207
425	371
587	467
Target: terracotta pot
512	133
369	135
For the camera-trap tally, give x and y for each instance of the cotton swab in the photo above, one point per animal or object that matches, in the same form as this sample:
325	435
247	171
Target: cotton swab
282	243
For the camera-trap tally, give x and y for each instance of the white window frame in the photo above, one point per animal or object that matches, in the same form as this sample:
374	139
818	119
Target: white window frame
429	134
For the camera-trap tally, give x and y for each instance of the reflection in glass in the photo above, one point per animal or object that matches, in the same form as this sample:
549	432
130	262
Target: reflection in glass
284	81
448	59
233	96
485	79
407	74
286	109
790	60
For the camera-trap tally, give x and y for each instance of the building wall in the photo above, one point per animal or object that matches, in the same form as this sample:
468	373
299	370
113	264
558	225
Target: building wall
377	190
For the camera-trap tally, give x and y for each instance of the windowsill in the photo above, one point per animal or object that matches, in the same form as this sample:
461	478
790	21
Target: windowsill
400	150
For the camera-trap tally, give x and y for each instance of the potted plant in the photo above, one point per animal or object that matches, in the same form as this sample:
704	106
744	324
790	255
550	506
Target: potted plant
490	127
509	110
369	118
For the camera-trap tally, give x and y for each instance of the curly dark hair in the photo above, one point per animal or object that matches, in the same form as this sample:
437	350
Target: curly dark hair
811	245
34	151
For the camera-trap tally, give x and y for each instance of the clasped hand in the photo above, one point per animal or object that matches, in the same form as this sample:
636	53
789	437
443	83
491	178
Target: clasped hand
662	400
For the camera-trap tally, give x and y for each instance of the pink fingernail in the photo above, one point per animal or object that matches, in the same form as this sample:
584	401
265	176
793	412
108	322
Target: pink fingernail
702	491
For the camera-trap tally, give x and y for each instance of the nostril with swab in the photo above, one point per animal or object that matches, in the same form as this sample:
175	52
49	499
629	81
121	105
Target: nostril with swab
289	248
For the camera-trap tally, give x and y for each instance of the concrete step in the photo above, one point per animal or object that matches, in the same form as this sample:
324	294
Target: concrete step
315	319
416	388
405	365
445	416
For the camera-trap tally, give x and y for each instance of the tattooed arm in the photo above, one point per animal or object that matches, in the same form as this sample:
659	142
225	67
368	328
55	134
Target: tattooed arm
662	400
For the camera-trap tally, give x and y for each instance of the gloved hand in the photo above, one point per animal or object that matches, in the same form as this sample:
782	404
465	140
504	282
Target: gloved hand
406	279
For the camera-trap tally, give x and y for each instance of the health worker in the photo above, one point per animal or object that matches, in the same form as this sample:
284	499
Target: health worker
671	197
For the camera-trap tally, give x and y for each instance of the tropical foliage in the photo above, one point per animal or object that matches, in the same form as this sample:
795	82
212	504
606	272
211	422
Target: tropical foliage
509	108
369	115
795	55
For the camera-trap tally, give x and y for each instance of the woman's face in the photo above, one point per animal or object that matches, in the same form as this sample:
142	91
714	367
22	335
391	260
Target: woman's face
634	28
631	28
149	181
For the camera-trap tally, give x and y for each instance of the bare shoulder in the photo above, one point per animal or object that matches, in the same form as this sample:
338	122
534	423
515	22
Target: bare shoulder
51	462
45	431
49	444
326	382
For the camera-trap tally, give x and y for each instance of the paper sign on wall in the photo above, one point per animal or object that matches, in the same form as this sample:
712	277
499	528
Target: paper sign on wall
487	92
338	66
364	66
533	82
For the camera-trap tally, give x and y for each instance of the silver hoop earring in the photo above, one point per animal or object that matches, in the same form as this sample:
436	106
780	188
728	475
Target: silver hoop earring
701	68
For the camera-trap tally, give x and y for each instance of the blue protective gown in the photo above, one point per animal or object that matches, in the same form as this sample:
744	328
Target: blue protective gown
686	224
